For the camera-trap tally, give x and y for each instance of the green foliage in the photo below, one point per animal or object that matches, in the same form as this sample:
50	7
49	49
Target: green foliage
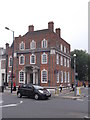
81	63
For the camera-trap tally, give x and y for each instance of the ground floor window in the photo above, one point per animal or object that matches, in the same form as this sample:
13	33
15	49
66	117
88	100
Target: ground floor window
44	76
21	76
57	75
61	76
65	77
68	77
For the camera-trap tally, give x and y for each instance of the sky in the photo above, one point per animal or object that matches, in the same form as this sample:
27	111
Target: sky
71	16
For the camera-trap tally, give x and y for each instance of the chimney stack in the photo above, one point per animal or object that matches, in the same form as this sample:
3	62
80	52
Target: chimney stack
58	31
7	45
30	28
51	26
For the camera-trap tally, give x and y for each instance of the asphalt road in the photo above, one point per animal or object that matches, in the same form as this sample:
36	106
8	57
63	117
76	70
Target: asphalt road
13	107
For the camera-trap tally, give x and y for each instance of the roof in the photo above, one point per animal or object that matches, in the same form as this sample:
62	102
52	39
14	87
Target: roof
38	32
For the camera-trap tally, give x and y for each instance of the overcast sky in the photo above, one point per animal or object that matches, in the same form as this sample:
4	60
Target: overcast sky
70	15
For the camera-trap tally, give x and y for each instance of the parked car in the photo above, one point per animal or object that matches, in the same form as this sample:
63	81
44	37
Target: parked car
33	91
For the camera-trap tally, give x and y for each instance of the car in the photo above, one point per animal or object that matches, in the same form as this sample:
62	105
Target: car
33	91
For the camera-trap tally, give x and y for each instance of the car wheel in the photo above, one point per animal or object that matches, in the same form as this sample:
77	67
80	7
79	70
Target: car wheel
36	97
19	95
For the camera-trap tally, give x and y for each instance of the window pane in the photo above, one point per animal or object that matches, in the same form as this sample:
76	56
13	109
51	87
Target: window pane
21	76
33	44
57	77
22	46
61	76
32	59
44	76
64	61
44	58
57	59
10	61
61	60
44	43
65	77
68	77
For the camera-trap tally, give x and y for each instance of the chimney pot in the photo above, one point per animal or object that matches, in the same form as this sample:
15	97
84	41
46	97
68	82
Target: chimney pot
19	35
51	26
30	28
58	31
7	45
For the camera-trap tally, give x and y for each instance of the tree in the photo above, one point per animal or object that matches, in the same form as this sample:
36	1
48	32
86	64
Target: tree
81	64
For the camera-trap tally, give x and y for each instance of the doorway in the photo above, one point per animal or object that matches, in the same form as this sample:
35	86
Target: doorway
31	78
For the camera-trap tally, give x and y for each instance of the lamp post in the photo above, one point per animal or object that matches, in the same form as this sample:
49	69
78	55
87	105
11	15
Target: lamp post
74	74
12	58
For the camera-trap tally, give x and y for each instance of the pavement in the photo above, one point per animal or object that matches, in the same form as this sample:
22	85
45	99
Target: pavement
66	93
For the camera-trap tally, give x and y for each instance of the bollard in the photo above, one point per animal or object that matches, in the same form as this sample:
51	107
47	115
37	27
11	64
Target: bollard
57	90
78	91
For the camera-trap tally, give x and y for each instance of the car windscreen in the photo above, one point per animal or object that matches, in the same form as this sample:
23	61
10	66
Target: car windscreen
37	87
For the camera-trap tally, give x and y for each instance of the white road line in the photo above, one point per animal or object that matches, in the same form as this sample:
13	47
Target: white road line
80	99
11	105
86	117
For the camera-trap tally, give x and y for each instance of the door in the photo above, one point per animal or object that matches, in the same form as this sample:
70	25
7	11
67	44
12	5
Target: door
31	78
30	91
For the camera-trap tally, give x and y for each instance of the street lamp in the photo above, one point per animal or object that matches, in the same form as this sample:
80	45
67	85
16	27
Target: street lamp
12	58
74	74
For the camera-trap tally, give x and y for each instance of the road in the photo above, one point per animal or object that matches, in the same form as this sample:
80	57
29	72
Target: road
13	107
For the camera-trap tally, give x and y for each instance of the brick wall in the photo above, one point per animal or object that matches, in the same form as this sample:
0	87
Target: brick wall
53	40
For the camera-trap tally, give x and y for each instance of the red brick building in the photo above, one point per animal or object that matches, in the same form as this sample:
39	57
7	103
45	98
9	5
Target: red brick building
40	57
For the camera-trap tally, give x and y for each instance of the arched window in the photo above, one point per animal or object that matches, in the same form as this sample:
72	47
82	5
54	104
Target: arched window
44	58
64	49
22	46
67	62
61	60
33	45
44	76
61	47
21	59
57	59
61	76
44	43
10	61
65	77
57	75
68	77
32	59
21	76
64	61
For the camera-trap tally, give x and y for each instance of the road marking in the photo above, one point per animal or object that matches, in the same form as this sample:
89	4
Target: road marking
11	105
80	99
86	117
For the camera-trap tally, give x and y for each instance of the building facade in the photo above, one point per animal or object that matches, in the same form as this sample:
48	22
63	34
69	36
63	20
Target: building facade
40	57
2	67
